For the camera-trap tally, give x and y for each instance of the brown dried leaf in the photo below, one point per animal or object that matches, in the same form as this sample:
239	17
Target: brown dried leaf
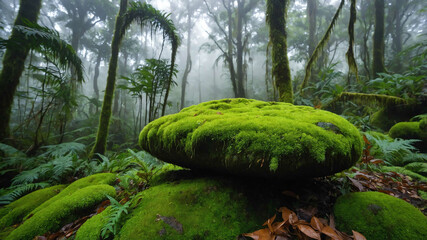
293	218
269	222
310	232
316	223
358	236
328	231
357	184
285	213
377	161
262	234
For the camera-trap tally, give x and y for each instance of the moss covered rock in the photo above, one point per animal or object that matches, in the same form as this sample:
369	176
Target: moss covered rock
63	211
379	216
411	130
195	209
254	138
18	209
96	179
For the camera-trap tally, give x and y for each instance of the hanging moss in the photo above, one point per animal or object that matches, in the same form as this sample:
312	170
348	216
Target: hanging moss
350	54
319	48
254	138
379	216
17	210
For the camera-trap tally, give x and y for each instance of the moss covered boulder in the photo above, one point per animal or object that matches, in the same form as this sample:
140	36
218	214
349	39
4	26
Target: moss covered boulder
254	138
17	210
77	200
194	209
411	130
379	216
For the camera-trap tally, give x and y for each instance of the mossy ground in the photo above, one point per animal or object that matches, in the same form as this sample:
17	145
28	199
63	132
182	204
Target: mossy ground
206	208
404	171
255	138
379	216
18	209
62	211
100	178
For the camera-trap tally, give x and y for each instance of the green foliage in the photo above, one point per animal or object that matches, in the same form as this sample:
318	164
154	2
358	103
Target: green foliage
406	86
115	217
18	191
379	216
48	42
404	171
418	167
396	152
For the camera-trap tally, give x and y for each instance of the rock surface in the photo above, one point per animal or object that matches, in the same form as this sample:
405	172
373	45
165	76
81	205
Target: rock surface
379	216
255	138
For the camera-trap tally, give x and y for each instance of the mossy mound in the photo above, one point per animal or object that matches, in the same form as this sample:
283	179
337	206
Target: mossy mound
62	211
411	130
17	210
195	209
255	138
379	216
92	228
96	179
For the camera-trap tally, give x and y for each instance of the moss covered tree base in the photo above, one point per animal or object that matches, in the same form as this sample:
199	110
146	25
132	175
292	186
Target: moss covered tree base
255	138
379	216
411	130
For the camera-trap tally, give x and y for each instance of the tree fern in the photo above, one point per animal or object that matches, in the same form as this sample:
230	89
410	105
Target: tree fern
63	149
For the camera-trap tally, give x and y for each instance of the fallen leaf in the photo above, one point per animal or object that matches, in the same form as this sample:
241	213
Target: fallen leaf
310	232
269	222
357	184
316	223
358	236
285	213
328	231
262	234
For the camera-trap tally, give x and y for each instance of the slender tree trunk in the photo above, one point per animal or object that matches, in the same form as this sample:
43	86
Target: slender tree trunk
239	47
95	80
378	51
311	14
188	65
397	35
13	64
276	18
230	51
104	120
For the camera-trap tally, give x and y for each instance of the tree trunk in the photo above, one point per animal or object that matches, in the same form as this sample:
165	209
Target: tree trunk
378	51
13	64
188	65
95	80
276	19
239	47
311	14
104	120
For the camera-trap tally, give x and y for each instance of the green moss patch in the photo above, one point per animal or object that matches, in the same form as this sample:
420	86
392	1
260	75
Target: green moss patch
18	209
404	171
194	209
91	229
62	211
96	179
379	216
410	130
255	138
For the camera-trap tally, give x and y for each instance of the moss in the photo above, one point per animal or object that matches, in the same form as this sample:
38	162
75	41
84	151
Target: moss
91	229
64	210
17	210
410	130
247	137
404	171
96	179
204	208
422	194
379	216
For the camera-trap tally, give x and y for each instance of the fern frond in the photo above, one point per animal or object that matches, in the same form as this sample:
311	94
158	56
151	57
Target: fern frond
319	48
21	190
117	212
63	149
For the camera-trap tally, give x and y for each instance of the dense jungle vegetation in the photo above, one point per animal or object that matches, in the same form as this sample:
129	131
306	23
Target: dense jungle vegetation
203	119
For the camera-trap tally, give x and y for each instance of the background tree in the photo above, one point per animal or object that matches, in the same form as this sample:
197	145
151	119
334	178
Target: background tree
378	49
141	13
13	63
276	19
